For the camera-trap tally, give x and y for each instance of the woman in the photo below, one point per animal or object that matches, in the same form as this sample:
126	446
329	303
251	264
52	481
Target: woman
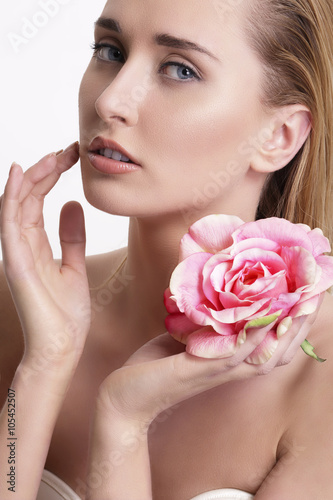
110	404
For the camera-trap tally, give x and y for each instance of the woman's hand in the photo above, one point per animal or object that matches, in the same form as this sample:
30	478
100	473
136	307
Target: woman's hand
156	377
161	374
53	304
52	300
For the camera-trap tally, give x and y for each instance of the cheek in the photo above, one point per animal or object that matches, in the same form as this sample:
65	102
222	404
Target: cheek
88	94
203	136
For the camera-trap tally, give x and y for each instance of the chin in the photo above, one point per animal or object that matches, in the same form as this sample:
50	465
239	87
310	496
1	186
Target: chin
114	196
105	202
111	194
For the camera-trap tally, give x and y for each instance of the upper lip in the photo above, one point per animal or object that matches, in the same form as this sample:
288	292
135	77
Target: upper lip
101	143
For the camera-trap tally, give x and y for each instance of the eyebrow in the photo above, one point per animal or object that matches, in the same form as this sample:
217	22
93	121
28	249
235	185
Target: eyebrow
163	39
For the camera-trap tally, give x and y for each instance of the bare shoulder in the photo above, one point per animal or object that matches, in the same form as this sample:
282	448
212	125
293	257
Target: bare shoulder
11	338
321	335
313	381
306	448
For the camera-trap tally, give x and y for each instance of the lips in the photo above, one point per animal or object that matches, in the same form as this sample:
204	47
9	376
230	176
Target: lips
111	149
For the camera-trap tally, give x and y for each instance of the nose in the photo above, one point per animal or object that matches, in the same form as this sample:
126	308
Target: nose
122	99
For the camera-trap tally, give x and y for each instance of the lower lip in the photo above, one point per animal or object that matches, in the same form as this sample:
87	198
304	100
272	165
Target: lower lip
109	166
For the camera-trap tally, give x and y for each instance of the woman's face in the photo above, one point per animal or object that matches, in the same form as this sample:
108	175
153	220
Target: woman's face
188	116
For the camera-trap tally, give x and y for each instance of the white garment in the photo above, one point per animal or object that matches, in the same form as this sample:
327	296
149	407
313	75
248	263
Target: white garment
225	494
53	488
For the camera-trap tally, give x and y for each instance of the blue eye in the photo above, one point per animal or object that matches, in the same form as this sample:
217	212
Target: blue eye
107	52
180	71
175	70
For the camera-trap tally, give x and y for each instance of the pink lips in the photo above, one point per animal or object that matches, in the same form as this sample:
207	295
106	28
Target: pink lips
109	165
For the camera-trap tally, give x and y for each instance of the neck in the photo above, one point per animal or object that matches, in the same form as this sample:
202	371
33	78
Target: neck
153	254
153	250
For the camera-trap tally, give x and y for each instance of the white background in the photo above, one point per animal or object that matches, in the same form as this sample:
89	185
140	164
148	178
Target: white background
39	102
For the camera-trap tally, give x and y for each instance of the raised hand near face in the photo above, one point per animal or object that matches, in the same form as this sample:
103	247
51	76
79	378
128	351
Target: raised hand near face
52	300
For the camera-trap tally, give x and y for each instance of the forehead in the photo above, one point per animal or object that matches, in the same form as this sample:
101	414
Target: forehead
208	22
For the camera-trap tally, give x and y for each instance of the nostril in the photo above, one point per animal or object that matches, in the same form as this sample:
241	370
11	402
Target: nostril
116	108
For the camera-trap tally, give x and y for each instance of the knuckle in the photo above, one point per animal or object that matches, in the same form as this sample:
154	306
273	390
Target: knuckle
285	360
232	362
264	369
180	370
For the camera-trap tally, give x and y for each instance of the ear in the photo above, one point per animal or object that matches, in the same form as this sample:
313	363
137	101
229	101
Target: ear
289	128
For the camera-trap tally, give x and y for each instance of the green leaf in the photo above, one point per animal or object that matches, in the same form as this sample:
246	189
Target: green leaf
265	321
309	350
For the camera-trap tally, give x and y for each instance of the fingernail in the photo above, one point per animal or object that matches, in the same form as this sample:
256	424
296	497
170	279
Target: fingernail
13	165
284	327
59	152
72	146
241	338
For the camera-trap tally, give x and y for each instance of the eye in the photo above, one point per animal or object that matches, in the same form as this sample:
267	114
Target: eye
107	52
179	71
174	70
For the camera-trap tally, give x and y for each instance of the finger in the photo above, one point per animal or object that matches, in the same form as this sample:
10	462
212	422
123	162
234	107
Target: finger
32	202
37	173
65	160
300	330
255	337
18	249
72	237
203	373
42	177
39	181
191	375
287	345
10	229
157	348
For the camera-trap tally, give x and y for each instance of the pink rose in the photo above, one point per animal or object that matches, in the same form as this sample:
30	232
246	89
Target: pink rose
234	275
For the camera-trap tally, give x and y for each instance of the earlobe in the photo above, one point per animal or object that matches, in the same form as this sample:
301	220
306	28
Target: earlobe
291	128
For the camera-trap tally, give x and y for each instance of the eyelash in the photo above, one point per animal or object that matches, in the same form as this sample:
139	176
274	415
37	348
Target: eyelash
96	47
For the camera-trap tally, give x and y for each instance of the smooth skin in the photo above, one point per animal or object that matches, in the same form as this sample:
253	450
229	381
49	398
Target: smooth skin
139	420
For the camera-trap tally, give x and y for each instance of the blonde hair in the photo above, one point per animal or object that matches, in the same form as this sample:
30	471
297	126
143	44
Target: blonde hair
294	40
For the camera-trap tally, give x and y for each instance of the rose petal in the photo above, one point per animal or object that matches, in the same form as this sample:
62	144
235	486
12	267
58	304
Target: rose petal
267	309
229	300
250	243
170	303
188	246
285	302
252	256
324	278
263	287
281	231
305	308
186	281
213	277
207	344
325	262
235	314
179	324
212	234
302	267
320	244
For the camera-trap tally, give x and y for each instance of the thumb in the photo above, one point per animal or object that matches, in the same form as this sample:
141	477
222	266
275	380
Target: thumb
73	236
